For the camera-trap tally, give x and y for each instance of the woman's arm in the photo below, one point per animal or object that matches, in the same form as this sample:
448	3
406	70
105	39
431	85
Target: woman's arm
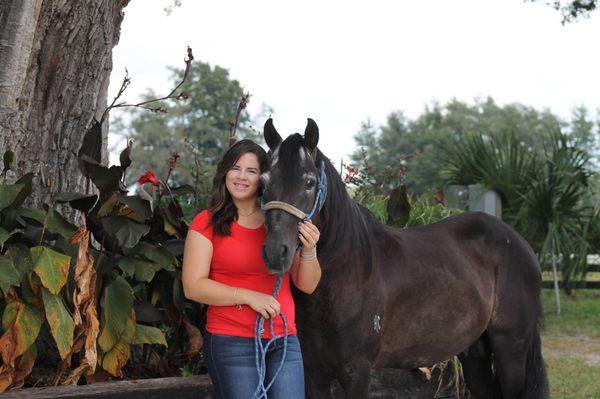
306	270
197	255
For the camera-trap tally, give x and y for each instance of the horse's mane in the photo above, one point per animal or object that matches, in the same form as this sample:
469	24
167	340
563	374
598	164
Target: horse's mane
348	228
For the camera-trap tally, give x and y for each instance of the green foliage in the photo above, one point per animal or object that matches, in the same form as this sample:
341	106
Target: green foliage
423	213
116	305
374	188
130	273
421	142
141	240
196	128
60	321
572	10
149	335
545	192
500	161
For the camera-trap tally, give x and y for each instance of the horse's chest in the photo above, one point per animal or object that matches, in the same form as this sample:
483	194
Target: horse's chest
334	325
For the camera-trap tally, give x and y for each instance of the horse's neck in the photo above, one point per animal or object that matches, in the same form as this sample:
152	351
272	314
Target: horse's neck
348	231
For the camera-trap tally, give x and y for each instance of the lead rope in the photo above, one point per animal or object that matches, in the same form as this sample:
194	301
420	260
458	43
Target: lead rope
260	350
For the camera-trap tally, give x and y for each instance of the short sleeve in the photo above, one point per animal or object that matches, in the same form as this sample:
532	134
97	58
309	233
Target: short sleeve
202	224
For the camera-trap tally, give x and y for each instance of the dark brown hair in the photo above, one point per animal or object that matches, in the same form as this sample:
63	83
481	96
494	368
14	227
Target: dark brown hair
221	204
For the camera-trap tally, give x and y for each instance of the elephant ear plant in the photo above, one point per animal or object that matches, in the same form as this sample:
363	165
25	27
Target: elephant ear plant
102	286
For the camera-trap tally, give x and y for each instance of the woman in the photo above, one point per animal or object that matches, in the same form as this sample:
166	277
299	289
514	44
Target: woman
223	267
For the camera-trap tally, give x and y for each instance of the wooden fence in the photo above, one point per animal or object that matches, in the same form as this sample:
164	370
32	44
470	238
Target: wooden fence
578	284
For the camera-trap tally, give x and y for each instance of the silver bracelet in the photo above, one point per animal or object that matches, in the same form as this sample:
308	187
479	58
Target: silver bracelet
237	305
310	256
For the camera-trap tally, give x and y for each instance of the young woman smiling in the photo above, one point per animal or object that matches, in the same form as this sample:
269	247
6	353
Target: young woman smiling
223	268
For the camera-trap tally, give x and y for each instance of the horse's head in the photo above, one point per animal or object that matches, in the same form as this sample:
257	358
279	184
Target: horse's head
291	182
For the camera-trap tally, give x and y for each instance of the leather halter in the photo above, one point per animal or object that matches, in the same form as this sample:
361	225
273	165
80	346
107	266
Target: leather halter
319	200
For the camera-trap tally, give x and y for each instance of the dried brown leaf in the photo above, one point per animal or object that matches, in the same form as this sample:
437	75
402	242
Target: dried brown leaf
194	338
87	325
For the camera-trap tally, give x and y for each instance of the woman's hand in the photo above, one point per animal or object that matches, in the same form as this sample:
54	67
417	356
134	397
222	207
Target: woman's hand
266	305
309	235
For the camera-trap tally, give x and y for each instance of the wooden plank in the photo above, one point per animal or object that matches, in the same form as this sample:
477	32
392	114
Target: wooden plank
195	387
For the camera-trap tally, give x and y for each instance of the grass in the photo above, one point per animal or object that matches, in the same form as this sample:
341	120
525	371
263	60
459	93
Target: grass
571	344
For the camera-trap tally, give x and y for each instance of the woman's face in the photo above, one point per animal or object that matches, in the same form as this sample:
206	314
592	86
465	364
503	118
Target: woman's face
243	179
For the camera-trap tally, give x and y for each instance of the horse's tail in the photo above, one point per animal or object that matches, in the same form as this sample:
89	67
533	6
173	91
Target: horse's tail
536	381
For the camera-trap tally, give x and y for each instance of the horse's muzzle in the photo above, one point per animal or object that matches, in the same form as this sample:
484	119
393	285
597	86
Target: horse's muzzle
277	256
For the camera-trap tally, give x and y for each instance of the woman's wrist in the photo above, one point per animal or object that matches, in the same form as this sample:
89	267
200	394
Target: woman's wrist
308	253
239	296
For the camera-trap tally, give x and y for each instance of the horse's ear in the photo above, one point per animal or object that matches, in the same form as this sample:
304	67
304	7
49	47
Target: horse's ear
272	138
311	135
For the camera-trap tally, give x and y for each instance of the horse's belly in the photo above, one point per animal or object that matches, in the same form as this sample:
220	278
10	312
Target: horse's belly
429	333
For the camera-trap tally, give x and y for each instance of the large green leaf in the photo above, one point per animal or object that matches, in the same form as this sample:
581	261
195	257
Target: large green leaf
60	321
19	254
155	253
9	193
117	305
5	235
55	222
106	179
27	322
126	231
141	269
27	180
137	204
114	359
8	274
149	335
52	267
91	144
79	201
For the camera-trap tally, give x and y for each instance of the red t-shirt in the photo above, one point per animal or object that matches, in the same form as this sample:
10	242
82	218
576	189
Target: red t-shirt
237	261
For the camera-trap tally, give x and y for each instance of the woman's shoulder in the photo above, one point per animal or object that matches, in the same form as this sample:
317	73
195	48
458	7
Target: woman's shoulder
202	223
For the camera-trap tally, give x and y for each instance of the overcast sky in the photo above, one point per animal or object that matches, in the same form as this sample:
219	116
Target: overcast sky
342	62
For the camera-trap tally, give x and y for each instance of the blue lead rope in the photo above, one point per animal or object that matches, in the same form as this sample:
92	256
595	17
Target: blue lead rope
260	350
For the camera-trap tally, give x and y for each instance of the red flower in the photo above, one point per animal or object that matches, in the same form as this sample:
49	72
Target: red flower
149	177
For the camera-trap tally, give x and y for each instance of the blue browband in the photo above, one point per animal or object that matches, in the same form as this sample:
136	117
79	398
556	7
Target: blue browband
321	192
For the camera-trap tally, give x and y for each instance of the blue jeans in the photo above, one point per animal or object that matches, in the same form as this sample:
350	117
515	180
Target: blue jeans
232	367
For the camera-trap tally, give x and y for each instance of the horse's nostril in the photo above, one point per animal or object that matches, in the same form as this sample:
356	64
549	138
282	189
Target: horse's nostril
284	250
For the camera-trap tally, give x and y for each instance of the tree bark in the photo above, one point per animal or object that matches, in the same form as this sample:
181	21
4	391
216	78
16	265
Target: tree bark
55	64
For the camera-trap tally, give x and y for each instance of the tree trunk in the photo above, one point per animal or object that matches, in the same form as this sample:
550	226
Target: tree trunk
55	64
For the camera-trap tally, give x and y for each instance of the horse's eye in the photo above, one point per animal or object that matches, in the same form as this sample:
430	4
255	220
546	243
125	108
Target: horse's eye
310	184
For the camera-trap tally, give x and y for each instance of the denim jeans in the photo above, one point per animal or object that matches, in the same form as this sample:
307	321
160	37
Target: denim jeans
232	367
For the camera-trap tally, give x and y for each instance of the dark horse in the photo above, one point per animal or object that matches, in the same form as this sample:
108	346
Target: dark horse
404	298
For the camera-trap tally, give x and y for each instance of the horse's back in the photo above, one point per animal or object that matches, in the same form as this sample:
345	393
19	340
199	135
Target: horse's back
446	272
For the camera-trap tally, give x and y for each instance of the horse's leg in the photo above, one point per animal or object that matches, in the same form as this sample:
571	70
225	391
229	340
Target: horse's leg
318	384
515	341
477	369
519	366
510	357
355	378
